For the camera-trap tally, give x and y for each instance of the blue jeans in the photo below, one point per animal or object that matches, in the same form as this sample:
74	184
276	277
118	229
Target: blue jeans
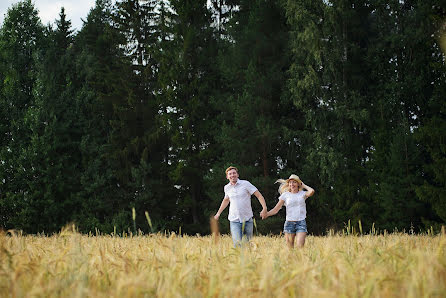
240	229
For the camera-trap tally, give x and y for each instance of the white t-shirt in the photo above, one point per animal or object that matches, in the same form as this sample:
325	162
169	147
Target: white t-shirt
295	205
240	200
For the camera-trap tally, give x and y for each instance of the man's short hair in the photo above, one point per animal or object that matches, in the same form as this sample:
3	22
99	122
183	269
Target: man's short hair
231	168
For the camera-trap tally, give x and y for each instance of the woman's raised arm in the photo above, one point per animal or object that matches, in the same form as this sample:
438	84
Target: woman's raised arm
309	191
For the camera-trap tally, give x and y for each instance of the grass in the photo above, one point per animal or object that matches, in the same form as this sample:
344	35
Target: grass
73	265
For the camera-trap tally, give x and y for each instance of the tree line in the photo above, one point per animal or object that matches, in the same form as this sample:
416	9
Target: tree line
147	104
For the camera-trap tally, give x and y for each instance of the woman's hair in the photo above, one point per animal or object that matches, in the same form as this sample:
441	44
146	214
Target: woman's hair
284	186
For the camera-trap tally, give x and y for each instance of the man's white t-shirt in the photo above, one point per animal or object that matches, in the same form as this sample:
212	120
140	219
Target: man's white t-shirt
240	200
295	205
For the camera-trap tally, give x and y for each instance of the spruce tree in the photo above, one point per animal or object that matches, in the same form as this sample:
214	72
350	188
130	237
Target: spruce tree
402	84
21	37
102	71
139	135
186	87
329	87
253	62
431	135
54	148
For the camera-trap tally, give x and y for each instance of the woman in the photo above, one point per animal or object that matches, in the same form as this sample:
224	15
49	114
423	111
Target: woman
293	193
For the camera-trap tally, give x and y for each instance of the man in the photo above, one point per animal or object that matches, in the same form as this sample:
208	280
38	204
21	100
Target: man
238	193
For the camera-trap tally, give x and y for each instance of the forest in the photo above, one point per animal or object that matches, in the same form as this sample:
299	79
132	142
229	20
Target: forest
147	104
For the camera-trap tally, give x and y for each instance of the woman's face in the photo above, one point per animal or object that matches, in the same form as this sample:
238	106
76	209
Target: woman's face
294	185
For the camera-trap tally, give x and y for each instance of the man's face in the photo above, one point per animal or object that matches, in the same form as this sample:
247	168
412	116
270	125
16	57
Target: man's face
232	176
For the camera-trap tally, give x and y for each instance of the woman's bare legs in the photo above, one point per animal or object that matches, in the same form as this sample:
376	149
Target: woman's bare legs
301	239
290	239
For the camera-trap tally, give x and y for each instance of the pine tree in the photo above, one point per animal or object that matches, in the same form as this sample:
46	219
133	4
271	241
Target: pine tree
186	85
140	134
102	71
21	36
54	149
329	87
253	62
401	85
431	188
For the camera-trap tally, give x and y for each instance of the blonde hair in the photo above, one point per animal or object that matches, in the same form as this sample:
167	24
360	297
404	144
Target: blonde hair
231	168
284	184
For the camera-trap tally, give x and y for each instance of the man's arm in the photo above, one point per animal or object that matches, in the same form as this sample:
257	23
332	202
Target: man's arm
262	202
223	205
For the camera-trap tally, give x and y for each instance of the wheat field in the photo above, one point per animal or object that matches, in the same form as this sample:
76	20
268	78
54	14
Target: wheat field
70	264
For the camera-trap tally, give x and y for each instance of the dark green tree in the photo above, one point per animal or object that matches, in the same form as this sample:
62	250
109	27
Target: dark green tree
253	60
431	134
103	76
53	152
402	85
186	86
21	36
329	87
140	134
253	66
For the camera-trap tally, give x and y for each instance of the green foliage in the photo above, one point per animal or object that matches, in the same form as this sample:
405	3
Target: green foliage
403	85
21	38
253	61
186	88
328	85
431	188
150	101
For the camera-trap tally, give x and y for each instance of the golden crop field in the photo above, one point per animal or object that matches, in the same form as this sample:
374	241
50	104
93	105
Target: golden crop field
73	265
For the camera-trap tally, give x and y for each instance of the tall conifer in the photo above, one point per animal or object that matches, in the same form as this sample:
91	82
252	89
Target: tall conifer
54	148
21	37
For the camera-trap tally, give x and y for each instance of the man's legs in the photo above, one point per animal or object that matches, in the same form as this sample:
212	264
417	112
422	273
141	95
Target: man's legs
248	229
240	229
236	232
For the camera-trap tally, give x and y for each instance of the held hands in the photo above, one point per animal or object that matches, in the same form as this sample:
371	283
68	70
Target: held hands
264	214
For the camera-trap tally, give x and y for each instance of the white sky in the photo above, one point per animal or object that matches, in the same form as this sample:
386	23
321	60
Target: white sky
49	10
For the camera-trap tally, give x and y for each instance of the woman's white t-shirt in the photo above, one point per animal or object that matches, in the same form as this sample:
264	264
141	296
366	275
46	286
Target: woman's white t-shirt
295	205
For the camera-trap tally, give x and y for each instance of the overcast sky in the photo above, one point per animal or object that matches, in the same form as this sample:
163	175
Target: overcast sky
49	10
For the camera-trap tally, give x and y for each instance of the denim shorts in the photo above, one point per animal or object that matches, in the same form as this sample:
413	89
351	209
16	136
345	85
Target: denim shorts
293	227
